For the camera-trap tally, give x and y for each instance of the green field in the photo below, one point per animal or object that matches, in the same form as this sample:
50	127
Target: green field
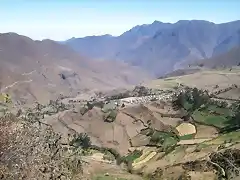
219	110
164	139
219	121
232	137
186	137
133	156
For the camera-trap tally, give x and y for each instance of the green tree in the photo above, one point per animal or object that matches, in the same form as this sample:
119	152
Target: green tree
81	140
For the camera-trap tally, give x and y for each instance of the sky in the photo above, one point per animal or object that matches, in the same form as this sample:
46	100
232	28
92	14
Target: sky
63	19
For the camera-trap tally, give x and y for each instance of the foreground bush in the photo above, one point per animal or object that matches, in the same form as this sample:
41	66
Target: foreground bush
30	150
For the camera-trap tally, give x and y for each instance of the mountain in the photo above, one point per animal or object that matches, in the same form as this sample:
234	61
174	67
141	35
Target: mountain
41	70
94	45
162	47
228	59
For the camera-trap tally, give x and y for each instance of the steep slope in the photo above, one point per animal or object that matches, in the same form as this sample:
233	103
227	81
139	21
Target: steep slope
97	46
228	59
162	47
228	43
41	70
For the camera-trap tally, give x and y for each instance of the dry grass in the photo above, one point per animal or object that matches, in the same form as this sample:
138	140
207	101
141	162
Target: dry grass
206	132
34	151
205	79
186	128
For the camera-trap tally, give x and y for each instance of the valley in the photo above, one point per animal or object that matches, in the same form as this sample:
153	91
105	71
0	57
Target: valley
144	134
101	90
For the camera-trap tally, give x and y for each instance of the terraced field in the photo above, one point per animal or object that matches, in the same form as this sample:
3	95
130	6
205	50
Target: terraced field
188	135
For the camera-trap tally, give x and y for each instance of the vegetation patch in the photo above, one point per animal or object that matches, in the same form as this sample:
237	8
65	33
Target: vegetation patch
219	110
191	99
108	156
144	160
218	121
207	111
110	115
231	137
187	137
81	140
143	156
132	156
164	139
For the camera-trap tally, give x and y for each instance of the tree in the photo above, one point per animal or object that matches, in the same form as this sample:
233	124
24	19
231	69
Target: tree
81	140
191	99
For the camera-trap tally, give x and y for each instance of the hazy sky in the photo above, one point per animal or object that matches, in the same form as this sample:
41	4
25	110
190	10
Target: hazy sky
60	20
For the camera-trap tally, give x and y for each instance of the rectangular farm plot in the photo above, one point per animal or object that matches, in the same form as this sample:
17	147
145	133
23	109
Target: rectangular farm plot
219	121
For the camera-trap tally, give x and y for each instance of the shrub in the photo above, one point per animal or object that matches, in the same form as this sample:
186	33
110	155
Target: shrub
110	115
83	110
81	140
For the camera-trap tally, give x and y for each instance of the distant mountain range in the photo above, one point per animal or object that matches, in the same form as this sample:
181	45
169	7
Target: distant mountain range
41	70
162	47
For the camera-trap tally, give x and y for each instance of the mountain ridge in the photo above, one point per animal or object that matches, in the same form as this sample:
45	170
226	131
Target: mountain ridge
162	47
41	70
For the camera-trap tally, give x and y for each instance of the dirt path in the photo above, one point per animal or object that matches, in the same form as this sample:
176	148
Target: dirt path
15	83
25	74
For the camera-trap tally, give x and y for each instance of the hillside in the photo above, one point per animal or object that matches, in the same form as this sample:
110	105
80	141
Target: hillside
41	70
162	130
162	47
228	59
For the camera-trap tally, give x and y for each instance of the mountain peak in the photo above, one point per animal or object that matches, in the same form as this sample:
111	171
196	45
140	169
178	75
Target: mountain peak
161	45
157	22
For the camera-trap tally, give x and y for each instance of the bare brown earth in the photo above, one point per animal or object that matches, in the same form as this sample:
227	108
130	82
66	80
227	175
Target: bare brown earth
125	135
41	70
117	134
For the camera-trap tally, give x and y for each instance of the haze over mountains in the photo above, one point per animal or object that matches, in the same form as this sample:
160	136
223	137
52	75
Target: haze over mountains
228	59
31	68
41	70
159	101
162	47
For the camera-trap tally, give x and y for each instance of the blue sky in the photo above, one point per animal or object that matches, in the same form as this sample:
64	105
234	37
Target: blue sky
60	20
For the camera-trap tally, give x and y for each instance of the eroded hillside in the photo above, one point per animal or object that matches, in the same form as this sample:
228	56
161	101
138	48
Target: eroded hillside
41	70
